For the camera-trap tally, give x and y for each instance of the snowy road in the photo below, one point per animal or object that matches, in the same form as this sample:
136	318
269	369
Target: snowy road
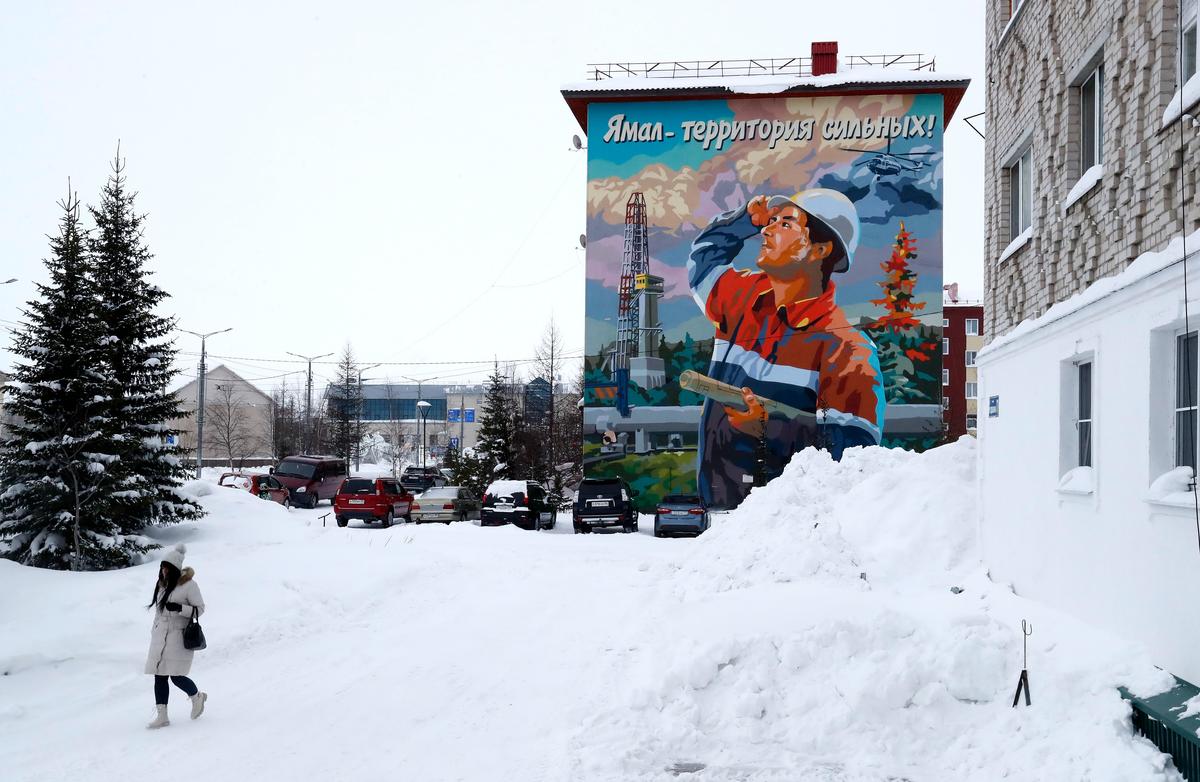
811	635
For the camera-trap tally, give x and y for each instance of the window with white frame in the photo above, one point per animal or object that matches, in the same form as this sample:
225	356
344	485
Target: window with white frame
945	403
945	323
1185	400
972	327
1020	194
945	346
971	357
1091	120
1191	46
972	421
972	390
1083	415
945	377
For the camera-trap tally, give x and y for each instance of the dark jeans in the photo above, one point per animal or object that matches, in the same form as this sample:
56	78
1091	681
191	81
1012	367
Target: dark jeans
161	691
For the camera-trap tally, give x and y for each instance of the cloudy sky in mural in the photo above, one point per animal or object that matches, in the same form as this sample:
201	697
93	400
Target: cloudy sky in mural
315	154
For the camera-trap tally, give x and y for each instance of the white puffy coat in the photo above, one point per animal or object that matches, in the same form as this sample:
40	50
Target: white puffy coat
167	657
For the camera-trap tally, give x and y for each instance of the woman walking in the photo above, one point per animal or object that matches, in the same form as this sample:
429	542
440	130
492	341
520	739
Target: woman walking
176	599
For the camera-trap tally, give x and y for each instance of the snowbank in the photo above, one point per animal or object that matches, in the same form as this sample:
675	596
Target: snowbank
881	514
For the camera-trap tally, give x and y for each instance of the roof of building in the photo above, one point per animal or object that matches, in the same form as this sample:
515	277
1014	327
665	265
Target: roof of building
633	88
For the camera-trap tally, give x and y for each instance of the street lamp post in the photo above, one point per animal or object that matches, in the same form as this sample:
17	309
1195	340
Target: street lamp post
358	429
200	397
423	408
308	397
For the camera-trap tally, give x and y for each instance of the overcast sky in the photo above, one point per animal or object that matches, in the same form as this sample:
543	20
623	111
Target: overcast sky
396	176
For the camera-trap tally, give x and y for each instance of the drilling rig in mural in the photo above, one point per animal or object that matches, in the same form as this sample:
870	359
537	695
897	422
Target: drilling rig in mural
635	354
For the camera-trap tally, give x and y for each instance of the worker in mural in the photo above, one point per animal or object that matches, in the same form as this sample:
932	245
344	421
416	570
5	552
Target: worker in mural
788	369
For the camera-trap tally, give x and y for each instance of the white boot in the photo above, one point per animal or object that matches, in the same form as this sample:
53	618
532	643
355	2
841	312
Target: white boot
198	703
160	721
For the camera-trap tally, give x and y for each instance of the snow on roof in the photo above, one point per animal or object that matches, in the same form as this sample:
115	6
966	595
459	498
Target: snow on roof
767	85
1143	266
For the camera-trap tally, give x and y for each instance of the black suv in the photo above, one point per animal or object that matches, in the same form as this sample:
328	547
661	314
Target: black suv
526	504
604	502
419	479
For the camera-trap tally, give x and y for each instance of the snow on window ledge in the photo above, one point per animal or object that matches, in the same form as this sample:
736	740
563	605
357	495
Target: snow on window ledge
1080	480
1011	21
1173	489
1182	100
1090	179
1016	244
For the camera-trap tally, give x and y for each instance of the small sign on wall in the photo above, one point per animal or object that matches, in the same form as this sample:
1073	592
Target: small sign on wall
993	407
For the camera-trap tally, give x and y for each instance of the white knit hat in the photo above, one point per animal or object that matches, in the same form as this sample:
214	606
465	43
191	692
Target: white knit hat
175	556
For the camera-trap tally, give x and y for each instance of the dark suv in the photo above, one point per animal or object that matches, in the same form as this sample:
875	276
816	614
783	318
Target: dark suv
310	479
419	479
526	504
604	502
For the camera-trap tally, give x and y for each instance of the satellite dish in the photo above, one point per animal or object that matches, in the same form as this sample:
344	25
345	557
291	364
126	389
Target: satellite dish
583	240
576	142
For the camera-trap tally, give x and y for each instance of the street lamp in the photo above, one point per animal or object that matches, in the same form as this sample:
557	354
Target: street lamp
423	409
308	396
358	430
200	399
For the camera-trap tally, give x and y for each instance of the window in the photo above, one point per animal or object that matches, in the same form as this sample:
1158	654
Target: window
945	377
972	422
945	347
972	327
945	323
972	390
1091	120
971	358
945	403
1185	400
1083	420
1190	43
1020	194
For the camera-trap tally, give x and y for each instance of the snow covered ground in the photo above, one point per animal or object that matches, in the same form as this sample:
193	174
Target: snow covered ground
811	635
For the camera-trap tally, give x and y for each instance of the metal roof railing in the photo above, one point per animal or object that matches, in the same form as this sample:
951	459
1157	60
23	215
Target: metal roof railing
774	66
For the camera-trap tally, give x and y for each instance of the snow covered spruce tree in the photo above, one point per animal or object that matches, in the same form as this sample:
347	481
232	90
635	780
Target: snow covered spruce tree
137	353
56	468
345	399
494	446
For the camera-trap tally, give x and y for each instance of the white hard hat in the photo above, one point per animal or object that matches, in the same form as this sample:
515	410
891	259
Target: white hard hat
835	212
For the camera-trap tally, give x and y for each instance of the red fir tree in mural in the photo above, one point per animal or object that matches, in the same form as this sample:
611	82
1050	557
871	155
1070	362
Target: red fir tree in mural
898	283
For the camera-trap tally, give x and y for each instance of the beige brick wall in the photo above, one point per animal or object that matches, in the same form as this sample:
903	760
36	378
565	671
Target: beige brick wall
1136	206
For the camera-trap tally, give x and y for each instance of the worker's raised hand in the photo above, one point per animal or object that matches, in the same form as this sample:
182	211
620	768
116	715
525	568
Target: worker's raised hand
752	420
760	213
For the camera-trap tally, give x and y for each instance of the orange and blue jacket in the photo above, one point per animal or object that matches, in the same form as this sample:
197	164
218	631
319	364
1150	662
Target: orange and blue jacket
805	354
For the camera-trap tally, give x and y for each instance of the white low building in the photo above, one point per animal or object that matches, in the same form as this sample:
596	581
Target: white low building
1087	442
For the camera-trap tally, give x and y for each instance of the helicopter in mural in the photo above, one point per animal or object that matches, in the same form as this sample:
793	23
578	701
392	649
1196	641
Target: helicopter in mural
889	163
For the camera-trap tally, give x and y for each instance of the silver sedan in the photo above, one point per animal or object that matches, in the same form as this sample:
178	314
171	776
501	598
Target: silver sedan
446	504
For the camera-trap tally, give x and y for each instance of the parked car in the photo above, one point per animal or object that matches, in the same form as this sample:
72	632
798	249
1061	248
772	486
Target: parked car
420	479
265	486
526	504
446	504
680	514
604	502
372	500
310	479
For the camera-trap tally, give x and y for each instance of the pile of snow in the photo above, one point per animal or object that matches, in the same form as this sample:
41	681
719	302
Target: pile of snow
881	514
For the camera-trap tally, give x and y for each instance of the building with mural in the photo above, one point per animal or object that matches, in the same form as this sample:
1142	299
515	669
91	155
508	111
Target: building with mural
764	265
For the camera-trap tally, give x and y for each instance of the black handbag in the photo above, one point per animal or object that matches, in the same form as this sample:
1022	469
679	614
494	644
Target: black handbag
193	635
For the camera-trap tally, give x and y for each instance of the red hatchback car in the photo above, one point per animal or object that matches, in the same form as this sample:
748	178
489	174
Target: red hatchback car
264	486
371	500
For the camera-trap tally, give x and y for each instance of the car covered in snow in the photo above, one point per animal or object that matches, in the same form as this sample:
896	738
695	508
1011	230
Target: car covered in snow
525	504
446	504
604	502
381	500
265	486
310	479
680	514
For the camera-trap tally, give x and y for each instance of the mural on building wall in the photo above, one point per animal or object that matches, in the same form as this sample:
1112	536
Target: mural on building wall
763	275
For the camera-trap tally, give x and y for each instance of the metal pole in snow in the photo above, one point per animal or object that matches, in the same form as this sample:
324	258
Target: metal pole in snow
200	396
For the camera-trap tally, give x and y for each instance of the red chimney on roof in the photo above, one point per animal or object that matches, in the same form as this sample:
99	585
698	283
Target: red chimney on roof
824	57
